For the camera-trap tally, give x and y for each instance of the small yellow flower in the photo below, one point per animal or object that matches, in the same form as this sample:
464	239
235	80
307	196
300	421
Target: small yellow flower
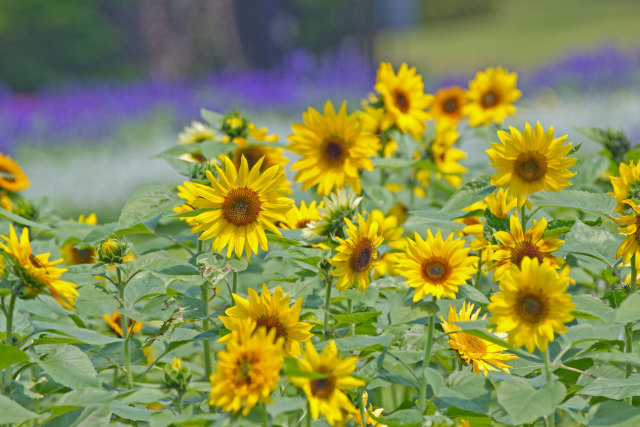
300	217
5	202
372	120
17	180
532	305
629	227
388	228
369	421
448	104
357	255
195	133
187	191
627	185
482	354
491	96
326	395
115	322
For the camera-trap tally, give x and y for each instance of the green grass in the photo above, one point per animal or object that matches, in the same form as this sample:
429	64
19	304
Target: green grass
517	34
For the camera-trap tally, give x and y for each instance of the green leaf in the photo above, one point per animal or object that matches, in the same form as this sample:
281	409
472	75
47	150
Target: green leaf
471	192
524	404
396	379
141	287
67	365
147	203
213	149
221	263
291	369
401	418
599	203
599	242
10	355
463	390
355	318
85	335
613	388
471	293
593	306
20	220
13	412
391	163
612	413
629	310
412	312
211	117
362	342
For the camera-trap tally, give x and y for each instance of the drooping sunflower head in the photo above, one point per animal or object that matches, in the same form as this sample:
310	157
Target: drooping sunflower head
491	96
239	206
436	267
627	185
629	226
83	255
357	254
404	99
334	148
115	322
36	271
273	312
339	205
532	304
516	245
301	217
248	369
530	162
448	103
326	395
482	354
12	177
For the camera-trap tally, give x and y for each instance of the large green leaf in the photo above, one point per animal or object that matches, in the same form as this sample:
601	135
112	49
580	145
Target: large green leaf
67	365
615	414
613	388
84	335
20	220
629	310
401	418
597	241
10	355
463	390
598	203
471	192
524	404
147	203
11	412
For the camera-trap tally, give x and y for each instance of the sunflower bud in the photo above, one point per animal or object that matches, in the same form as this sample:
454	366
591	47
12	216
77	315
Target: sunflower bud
26	209
112	251
176	376
235	125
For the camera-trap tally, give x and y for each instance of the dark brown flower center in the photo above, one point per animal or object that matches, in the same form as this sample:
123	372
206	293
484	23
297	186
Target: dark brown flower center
302	223
450	105
83	256
435	270
241	206
252	154
362	256
402	101
323	387
272	322
525	249
334	151
531	308
474	344
489	99
531	166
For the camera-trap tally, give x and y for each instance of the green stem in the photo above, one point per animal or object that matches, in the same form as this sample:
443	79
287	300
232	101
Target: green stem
9	341
125	332
422	397
548	379
265	416
179	402
634	273
208	364
352	326
628	328
235	283
308	417
327	303
479	272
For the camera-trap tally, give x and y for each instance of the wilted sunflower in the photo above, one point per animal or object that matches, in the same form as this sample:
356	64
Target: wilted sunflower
248	369
629	227
36	271
17	180
300	217
518	245
627	185
326	395
491	96
531	162
448	104
238	207
482	354
115	322
333	147
532	305
272	312
404	99
436	267
356	255
369	421
339	205
87	255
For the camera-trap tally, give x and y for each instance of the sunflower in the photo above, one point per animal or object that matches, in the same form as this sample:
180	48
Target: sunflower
36	271
446	160
12	176
187	191
115	322
436	267
339	205
333	147
272	156
238	207
388	228
300	217
516	245
369	421
357	255
400	211
386	265
404	98
87	255
448	103
482	354
531	162
272	312
248	368
372	120
629	227
491	96
326	395
532	305
627	185
195	133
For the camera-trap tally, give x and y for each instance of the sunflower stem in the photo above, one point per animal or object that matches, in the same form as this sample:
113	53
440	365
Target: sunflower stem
327	303
479	272
9	341
628	328
422	397
352	326
235	283
208	364
125	332
363	409
308	417
547	374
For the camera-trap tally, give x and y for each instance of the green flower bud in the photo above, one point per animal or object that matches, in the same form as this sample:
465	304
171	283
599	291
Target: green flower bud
112	251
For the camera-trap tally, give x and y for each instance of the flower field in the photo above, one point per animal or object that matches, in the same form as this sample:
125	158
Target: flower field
403	261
